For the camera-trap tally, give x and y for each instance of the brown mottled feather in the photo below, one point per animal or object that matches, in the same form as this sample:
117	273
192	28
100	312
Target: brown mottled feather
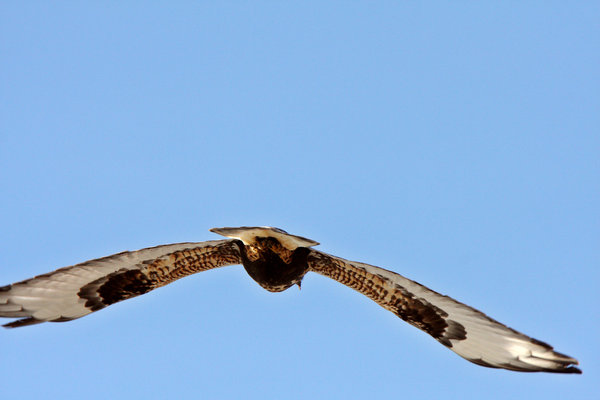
388	295
125	284
78	290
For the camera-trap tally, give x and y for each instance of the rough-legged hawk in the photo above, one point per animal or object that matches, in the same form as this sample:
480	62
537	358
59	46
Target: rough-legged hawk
277	261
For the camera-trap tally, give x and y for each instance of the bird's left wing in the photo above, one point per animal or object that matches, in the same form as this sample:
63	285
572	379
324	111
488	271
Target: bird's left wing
463	329
75	291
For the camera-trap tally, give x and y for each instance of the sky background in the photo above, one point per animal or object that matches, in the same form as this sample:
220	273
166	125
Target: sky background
456	144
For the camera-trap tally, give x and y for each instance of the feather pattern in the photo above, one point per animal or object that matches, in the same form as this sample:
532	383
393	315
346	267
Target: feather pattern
468	332
72	292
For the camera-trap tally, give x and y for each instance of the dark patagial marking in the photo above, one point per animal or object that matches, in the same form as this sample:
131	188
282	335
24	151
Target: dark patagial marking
120	285
431	319
125	285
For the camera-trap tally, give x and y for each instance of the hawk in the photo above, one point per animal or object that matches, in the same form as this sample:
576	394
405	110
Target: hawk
276	260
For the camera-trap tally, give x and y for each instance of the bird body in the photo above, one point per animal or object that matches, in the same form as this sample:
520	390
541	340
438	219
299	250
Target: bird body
272	257
276	260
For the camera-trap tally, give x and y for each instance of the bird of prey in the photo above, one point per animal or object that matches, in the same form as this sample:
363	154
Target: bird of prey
276	260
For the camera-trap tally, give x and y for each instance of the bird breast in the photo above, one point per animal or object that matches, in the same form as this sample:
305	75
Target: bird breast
272	266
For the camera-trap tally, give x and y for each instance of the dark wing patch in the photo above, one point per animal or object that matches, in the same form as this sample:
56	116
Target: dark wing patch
72	292
465	330
391	296
127	283
121	285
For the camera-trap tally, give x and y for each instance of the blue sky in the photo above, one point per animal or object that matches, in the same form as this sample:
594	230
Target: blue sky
456	144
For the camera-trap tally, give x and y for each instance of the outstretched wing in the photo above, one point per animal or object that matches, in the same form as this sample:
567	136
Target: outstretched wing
466	331
78	290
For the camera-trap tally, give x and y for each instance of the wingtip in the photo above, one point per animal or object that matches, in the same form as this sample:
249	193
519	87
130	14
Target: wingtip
573	370
562	362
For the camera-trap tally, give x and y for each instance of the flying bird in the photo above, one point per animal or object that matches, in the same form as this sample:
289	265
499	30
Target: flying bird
277	261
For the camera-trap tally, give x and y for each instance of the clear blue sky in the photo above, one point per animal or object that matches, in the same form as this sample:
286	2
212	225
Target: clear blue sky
456	144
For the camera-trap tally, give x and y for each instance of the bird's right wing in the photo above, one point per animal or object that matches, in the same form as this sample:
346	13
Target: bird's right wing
72	292
463	329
